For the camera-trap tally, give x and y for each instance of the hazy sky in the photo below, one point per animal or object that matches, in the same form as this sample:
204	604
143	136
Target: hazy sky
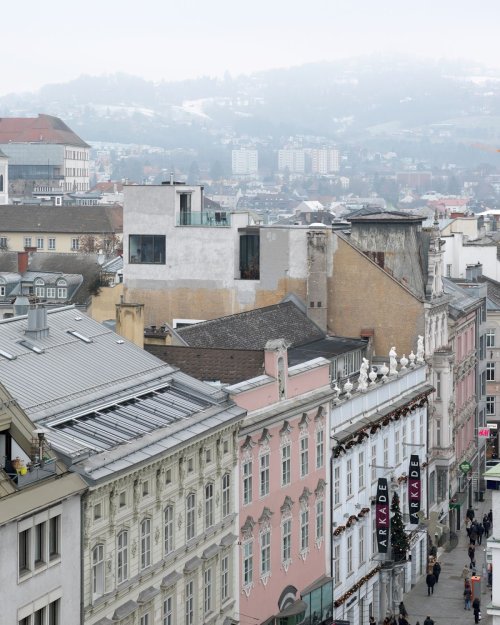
56	41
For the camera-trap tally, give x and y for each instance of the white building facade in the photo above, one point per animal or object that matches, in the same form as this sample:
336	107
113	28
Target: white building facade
374	433
244	162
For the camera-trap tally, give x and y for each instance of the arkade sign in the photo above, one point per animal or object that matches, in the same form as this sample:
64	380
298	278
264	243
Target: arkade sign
414	489
382	515
465	467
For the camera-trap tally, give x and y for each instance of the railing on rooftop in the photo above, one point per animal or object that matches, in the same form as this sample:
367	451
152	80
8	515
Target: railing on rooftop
208	219
33	473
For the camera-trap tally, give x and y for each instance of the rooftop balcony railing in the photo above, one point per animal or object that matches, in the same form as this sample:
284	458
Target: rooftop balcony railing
205	219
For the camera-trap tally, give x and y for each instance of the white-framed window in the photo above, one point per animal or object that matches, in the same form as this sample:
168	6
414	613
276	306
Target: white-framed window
207	591
52	243
374	462
224	578
285	464
361	470
50	292
304	529
490	405
122	499
168	518
62	292
319	520
190	516
145	620
189	603
75	245
39	243
319	449
145	488
122	557
304	456
247	482
361	539
145	543
386	452
264	475
286	540
397	459
168	610
209	505
97	571
349	555
226	495
97	511
265	552
490	338
247	563
336	486
490	371
38	542
349	477
27	241
48	614
4	244
336	564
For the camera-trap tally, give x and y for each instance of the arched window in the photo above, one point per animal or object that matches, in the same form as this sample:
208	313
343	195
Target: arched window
97	571
39	287
226	495
145	543
168	516
209	505
62	289
122	557
190	516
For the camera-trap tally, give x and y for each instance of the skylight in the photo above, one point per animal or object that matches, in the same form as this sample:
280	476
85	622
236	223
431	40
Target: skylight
7	355
79	336
31	346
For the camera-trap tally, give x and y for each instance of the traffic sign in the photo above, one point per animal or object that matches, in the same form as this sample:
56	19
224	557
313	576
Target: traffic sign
465	467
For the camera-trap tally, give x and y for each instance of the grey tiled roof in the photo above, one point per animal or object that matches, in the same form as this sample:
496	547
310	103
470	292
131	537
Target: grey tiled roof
64	219
252	329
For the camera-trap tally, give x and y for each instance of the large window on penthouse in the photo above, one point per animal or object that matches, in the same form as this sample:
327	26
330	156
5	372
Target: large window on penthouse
249	257
147	249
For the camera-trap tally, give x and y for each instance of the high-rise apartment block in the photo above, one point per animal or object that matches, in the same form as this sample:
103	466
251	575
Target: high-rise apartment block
244	162
325	160
293	160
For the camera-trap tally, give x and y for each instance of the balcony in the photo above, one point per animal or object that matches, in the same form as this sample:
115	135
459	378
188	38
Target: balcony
205	219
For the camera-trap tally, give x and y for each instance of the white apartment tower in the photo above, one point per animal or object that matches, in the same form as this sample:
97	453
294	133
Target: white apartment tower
244	162
293	160
325	161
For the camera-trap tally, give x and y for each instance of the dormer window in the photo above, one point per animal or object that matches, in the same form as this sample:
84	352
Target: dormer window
39	287
62	289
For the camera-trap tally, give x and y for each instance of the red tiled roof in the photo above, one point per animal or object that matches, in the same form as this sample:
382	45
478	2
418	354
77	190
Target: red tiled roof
41	129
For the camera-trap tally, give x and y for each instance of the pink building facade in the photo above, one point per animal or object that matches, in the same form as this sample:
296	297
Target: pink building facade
284	500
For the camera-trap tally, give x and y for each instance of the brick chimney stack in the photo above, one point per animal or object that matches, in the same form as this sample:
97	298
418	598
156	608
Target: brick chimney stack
22	262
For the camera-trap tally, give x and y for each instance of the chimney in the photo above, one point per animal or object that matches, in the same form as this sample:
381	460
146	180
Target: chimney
171	177
38	326
473	272
22	262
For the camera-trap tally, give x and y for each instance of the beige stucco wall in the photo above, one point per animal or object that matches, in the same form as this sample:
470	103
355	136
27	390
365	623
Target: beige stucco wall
15	240
167	303
103	307
361	295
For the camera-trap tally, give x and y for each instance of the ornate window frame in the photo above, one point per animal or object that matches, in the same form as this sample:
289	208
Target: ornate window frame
265	535
286	517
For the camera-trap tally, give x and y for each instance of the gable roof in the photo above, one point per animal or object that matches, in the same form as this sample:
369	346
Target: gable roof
64	219
41	129
252	329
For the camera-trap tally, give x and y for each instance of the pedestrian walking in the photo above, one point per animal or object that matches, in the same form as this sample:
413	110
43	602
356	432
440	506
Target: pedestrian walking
402	609
470	513
467	595
480	532
486	525
430	580
372	621
473	534
472	556
476	606
490	517
436	570
468	524
428	621
466	572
